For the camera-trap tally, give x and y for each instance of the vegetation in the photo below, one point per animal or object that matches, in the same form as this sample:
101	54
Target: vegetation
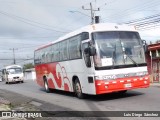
28	66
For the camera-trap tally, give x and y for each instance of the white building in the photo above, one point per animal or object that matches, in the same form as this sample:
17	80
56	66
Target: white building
30	74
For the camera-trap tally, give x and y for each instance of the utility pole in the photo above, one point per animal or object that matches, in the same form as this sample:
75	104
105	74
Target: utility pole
14	60
92	12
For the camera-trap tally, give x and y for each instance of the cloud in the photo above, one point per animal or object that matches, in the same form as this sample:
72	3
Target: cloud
27	23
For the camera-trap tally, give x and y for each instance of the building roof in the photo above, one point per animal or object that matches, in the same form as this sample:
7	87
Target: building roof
154	46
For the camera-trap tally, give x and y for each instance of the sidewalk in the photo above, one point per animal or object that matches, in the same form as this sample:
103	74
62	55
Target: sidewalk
155	84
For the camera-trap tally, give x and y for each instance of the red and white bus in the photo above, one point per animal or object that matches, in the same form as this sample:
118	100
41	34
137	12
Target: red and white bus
96	59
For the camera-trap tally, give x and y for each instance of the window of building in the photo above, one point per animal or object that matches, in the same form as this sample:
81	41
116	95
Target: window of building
154	53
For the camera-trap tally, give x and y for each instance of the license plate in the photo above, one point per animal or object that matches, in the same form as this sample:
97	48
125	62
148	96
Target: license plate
128	85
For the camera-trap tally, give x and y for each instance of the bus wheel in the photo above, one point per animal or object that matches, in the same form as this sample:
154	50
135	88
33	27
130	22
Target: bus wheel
78	90
46	86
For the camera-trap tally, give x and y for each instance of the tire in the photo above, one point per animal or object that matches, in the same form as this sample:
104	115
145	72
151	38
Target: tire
46	86
78	89
22	81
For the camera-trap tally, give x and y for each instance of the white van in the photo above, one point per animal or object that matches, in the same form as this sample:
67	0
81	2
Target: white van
13	73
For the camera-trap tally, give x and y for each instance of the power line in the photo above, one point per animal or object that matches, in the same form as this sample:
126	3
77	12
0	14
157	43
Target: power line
149	27
142	19
122	13
27	21
146	23
29	37
133	9
25	60
70	24
149	22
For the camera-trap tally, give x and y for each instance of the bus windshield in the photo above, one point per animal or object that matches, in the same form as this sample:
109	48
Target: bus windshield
118	48
14	70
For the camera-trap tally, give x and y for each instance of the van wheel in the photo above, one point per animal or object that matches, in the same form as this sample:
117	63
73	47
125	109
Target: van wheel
78	89
6	82
46	86
22	81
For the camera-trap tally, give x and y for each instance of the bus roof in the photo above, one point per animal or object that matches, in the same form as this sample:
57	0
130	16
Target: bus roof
94	28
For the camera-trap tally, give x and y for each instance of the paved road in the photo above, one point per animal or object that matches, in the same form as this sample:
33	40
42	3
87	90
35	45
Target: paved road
135	100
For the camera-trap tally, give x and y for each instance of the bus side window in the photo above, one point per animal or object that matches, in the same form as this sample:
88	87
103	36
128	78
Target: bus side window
48	54
74	48
55	52
63	50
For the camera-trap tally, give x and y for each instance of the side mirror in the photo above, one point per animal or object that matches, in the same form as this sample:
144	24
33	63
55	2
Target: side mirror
145	47
92	51
87	57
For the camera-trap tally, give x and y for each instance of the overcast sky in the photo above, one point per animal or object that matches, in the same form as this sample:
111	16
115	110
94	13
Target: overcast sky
27	24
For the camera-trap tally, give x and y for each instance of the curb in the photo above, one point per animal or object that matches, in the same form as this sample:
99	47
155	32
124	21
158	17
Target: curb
155	84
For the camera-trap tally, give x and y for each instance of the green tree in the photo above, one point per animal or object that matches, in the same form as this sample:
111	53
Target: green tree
28	66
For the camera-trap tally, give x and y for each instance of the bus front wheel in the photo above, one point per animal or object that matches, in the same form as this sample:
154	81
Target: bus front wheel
46	86
78	89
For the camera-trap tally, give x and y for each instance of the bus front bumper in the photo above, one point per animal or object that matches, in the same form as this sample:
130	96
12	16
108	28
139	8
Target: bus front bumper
103	86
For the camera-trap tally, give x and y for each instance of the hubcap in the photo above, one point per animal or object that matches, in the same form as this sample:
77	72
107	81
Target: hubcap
78	88
46	86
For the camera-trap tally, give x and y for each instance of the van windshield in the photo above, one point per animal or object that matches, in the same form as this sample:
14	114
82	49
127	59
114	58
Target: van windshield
14	70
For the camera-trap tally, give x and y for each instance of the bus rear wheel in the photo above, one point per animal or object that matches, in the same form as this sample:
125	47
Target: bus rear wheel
78	89
46	86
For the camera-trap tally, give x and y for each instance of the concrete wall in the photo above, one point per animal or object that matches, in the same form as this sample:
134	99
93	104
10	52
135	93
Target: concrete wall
30	75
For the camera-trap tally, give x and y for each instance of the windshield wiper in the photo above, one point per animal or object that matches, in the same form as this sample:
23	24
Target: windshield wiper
132	60
114	56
